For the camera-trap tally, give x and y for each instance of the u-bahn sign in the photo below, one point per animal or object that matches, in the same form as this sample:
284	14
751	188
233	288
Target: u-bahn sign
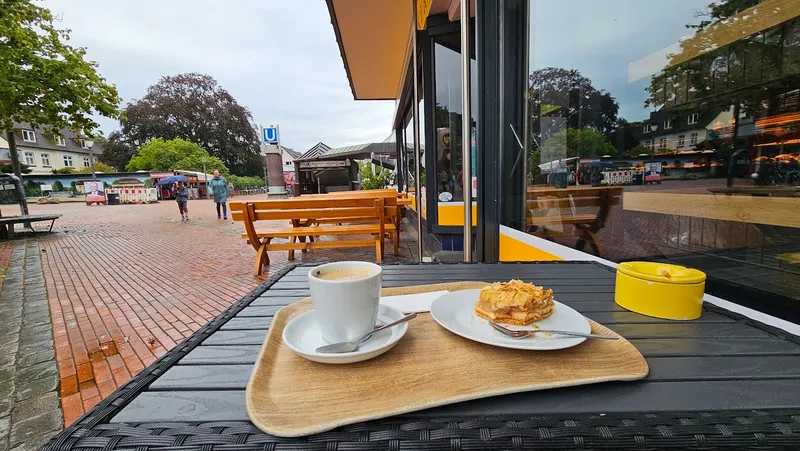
271	135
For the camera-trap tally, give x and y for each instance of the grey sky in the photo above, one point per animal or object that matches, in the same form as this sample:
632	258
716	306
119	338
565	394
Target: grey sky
278	58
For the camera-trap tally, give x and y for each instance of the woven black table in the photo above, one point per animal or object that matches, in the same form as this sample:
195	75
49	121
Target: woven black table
720	382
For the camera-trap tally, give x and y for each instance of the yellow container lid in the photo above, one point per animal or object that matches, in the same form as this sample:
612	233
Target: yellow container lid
662	272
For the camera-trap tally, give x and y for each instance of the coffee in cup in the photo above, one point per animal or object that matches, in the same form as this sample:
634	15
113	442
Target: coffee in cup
345	296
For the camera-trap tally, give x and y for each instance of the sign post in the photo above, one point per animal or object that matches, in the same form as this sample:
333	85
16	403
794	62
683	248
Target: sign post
274	160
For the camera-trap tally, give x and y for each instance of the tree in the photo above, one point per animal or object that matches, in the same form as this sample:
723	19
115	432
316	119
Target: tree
194	107
162	155
44	81
372	177
576	142
99	166
117	151
562	98
701	68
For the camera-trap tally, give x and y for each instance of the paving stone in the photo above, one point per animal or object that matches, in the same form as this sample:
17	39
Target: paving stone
7	387
36	388
40	344
35	430
36	357
5	406
36	371
36	332
7	339
35	406
5	428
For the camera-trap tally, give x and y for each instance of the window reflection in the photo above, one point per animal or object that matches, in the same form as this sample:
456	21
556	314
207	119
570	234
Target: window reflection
448	119
673	135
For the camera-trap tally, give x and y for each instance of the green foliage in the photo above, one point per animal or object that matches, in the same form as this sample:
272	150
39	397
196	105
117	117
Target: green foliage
63	171
44	81
74	188
162	155
370	180
9	169
98	167
246	182
32	189
574	142
58	186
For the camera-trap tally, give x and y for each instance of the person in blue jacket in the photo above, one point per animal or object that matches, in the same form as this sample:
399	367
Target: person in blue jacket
219	188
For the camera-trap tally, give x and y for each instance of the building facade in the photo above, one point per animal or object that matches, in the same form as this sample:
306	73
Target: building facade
44	152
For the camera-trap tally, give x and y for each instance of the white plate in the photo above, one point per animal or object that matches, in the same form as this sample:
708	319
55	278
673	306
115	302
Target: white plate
302	335
455	312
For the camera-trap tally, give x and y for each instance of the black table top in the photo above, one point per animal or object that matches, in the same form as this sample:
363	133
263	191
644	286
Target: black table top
722	380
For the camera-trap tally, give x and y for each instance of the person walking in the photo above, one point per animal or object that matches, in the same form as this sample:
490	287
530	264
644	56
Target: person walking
181	194
219	188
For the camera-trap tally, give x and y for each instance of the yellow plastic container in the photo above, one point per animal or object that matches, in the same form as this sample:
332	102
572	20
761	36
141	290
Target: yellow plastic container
660	290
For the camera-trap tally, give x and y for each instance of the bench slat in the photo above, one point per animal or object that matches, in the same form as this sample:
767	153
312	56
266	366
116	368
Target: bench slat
321	245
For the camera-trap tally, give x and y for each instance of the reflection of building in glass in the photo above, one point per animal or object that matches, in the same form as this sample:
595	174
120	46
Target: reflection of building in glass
749	60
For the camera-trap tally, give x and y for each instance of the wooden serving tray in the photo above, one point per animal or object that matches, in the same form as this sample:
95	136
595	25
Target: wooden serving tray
290	396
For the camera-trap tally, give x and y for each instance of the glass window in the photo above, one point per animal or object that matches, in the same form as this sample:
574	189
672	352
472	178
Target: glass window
60	141
68	161
29	159
616	88
28	136
86	162
448	118
46	159
85	144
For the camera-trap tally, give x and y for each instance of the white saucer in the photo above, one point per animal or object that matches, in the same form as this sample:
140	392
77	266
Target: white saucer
302	335
455	312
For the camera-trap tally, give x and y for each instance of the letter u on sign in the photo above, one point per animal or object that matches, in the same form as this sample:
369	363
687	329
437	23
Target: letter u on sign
271	135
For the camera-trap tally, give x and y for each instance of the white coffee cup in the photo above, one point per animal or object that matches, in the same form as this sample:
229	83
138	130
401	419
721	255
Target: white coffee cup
345	309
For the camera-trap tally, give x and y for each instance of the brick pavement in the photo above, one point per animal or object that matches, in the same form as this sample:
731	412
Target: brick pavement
127	283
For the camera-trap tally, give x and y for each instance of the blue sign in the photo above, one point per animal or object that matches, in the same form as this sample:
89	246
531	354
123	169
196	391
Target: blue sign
271	135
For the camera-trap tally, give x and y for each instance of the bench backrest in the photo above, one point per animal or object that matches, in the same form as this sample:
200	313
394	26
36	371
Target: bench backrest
361	193
370	209
603	198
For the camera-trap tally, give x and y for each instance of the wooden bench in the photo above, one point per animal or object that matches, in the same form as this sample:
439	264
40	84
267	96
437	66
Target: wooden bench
576	211
392	217
7	223
304	214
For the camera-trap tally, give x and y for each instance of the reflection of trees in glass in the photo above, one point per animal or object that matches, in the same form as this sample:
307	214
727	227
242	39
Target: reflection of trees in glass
564	93
576	142
568	114
710	63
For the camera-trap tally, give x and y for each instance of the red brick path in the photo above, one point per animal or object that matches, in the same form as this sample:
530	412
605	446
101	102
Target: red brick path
127	283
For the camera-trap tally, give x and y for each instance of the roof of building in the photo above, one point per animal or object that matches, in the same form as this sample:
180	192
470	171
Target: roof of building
358	150
319	148
45	141
293	153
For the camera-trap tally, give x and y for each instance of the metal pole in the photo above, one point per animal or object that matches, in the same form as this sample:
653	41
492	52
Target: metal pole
466	131
415	119
205	177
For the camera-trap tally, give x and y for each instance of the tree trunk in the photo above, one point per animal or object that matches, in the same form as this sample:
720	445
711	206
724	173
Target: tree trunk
12	147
